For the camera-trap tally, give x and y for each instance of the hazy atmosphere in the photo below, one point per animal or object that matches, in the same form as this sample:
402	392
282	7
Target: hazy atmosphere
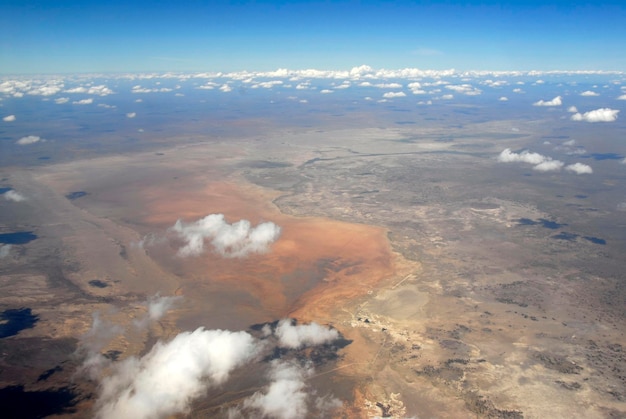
312	209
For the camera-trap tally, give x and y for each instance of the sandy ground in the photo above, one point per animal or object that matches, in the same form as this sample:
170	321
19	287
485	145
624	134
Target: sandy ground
451	313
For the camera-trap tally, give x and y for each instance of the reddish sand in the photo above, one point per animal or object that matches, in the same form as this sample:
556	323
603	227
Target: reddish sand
310	271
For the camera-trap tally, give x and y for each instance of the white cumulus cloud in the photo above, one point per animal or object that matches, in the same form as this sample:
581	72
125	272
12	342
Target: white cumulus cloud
83	102
9	118
540	162
14	196
31	139
549	166
572	109
61	100
165	380
391	95
286	396
579	168
589	93
131	114
622	97
597	115
554	102
294	336
229	240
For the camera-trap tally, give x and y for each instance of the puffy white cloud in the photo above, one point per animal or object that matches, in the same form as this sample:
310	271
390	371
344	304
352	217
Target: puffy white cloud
518	90
9	118
226	88
31	139
326	91
388	85
61	100
447	97
572	109
466	89
229	240
286	396
267	84
139	89
165	380
622	97
579	168
391	95
549	166
503	99
597	115
83	102
100	90
131	114
508	156
294	336
554	102
14	196
541	163
589	93
46	90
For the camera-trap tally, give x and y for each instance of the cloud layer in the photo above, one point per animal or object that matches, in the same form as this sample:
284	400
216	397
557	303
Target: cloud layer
167	379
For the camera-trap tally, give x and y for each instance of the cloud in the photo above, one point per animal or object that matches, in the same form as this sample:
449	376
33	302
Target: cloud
447	97
579	168
157	306
554	102
390	95
83	102
5	249
226	88
518	90
31	139
165	380
549	166
294	336
326	91
622	97
14	196
589	93
466	89
100	90
229	240
61	100
9	118
597	115
285	397
503	99
131	114
507	156
572	109
93	342
541	163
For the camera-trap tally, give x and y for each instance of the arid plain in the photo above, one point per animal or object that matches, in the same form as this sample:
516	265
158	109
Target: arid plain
463	287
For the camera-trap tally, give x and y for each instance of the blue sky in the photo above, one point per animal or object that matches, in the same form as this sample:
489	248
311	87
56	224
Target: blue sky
96	36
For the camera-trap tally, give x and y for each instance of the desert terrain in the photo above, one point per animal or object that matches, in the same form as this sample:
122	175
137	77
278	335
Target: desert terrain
460	287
